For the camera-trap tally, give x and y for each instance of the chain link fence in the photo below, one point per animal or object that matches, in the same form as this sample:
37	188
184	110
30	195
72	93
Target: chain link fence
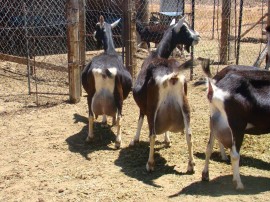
232	31
111	11
33	38
33	51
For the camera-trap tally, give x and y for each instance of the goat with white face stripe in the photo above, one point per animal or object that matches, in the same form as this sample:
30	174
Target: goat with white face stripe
160	91
106	81
239	104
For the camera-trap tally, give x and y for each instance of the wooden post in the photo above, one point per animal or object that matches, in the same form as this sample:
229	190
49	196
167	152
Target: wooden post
130	36
225	31
143	10
74	69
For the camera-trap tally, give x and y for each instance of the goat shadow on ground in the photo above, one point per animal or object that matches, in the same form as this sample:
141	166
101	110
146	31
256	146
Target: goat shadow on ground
103	137
244	160
133	159
223	185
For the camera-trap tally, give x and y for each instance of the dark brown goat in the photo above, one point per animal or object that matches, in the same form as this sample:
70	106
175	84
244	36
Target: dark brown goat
106	81
154	33
239	99
160	91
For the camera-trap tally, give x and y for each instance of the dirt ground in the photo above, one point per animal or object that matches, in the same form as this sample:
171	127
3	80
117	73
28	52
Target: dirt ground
44	156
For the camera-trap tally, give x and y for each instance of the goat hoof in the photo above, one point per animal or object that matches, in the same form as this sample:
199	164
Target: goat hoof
133	143
191	166
118	145
89	139
104	125
167	144
150	166
205	176
190	172
238	186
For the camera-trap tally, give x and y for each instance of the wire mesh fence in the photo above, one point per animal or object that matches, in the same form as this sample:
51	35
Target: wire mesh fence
32	47
228	28
33	38
111	11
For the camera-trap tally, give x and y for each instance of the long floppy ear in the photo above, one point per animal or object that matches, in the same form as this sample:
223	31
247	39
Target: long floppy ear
172	22
180	23
115	23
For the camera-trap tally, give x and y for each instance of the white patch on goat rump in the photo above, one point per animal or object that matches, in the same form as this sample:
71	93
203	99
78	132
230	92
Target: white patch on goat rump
103	97
169	92
219	96
221	127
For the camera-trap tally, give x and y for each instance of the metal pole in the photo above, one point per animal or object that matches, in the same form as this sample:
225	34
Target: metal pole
239	31
192	26
214	16
268	38
27	46
82	33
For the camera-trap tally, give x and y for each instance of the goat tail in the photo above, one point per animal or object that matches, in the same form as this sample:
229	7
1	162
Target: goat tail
210	89
107	72
205	63
172	79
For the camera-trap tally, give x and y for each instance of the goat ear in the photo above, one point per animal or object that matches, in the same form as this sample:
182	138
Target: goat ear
113	25
180	23
172	22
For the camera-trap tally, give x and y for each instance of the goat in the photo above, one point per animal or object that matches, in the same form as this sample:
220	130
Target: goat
150	33
239	104
154	33
106	81
160	91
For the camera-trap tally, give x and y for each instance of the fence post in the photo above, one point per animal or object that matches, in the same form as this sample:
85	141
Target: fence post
74	70
130	36
226	5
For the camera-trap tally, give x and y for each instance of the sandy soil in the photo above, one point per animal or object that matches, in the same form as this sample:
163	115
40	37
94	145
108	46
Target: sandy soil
44	156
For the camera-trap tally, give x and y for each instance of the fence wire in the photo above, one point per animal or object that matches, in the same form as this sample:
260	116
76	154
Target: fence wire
32	44
111	11
33	39
208	22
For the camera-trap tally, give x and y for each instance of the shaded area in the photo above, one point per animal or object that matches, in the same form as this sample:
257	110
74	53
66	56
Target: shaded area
103	137
248	161
133	161
223	185
215	156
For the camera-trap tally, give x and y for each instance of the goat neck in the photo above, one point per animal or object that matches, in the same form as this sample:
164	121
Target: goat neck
109	47
166	46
